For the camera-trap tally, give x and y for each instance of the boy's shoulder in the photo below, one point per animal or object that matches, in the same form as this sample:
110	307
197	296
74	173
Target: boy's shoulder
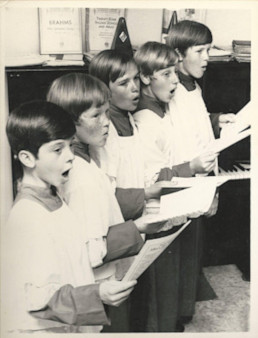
27	207
146	115
26	216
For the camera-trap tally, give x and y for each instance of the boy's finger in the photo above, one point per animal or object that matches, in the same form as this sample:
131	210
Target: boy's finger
120	287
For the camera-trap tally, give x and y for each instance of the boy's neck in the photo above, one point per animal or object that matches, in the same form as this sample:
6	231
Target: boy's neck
146	90
81	149
187	81
29	178
115	109
153	104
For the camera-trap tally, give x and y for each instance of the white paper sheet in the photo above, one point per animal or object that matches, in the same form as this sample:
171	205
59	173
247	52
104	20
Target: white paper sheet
224	142
149	252
243	121
191	202
186	182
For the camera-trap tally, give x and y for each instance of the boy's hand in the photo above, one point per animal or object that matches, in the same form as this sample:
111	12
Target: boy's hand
213	208
149	224
204	163
224	119
154	191
115	292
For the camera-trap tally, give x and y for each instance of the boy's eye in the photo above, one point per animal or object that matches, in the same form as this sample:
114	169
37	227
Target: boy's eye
57	150
124	83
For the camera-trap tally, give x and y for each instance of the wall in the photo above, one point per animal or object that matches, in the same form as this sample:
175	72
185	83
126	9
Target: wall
228	25
143	25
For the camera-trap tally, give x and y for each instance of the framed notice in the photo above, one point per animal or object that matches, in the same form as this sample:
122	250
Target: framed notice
100	27
60	31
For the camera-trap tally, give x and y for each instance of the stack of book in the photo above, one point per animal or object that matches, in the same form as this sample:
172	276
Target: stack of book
242	50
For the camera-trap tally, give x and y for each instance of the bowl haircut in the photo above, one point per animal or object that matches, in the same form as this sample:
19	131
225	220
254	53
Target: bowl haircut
78	92
153	56
187	34
109	65
37	122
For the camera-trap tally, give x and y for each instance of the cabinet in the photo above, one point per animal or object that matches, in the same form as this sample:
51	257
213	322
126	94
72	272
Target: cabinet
32	83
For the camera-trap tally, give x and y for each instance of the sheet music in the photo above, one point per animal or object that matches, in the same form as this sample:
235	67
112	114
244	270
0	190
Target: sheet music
149	252
186	182
226	141
243	121
191	202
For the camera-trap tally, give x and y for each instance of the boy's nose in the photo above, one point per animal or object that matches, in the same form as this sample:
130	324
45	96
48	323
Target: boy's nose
70	155
206	55
175	79
105	119
135	86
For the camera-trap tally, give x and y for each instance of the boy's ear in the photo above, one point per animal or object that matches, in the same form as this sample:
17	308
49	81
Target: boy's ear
80	118
180	56
145	79
27	158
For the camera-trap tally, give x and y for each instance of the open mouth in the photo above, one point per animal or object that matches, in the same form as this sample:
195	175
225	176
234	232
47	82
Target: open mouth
65	174
136	99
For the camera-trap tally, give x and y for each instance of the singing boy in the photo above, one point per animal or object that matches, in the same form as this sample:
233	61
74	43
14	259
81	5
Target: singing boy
48	283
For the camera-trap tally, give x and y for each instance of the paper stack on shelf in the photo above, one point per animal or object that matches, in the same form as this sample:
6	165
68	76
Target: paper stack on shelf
242	50
64	60
44	60
25	60
219	54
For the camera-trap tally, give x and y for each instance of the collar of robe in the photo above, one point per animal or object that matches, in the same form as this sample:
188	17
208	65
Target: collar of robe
47	197
81	150
148	102
187	81
121	121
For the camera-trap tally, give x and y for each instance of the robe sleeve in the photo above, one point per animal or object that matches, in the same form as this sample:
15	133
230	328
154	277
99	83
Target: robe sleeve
123	240
180	170
75	306
214	117
131	202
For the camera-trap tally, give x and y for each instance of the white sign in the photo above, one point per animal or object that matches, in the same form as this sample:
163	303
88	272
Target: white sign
60	31
101	25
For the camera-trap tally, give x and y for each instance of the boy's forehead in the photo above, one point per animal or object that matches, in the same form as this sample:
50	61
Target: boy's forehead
168	68
56	142
130	70
206	45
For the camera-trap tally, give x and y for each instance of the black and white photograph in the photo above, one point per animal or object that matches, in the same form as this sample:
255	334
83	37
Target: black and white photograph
128	159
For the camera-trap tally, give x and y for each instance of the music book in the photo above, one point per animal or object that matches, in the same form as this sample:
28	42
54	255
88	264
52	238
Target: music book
150	251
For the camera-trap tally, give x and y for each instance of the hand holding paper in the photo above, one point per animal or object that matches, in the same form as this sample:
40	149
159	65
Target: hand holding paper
149	252
151	223
204	163
242	121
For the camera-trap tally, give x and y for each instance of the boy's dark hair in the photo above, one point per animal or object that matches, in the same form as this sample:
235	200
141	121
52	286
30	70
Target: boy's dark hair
153	56
188	33
109	65
77	92
37	122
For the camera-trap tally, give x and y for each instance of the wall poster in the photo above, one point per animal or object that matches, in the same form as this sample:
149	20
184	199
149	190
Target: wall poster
60	31
101	26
